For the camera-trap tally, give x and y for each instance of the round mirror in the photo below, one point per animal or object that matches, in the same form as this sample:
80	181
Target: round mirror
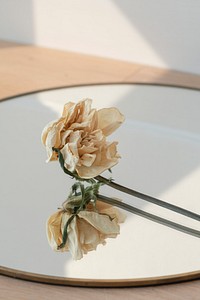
159	144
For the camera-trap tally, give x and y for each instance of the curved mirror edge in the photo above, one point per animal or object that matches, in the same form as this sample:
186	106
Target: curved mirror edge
142	120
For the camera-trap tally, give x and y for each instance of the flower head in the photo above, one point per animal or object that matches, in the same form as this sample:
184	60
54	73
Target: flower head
81	136
87	229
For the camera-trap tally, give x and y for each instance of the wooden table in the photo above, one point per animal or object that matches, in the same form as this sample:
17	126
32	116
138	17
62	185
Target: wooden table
25	69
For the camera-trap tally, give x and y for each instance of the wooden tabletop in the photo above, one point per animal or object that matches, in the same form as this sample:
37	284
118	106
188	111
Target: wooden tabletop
25	69
23	290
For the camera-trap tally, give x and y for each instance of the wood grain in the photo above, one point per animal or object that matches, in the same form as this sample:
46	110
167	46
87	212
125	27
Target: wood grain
99	282
19	289
25	69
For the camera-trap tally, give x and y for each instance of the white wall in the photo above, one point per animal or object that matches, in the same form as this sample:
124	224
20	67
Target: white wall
161	33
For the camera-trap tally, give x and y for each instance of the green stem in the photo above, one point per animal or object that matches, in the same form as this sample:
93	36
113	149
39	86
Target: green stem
149	216
150	199
65	233
137	194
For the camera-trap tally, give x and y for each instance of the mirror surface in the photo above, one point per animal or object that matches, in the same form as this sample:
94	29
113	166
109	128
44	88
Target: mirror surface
159	144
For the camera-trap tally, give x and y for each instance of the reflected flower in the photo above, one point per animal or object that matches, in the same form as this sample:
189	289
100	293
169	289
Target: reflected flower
88	229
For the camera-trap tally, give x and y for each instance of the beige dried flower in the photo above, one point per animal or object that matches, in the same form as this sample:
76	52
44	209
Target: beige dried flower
80	134
87	230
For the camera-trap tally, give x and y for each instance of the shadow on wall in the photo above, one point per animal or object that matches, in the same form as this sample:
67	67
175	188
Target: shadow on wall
169	27
162	33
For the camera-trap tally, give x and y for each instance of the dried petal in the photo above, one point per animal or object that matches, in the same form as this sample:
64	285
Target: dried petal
109	119
86	231
80	134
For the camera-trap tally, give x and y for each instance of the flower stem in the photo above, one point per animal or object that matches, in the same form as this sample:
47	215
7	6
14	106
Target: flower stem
131	192
149	216
65	233
150	199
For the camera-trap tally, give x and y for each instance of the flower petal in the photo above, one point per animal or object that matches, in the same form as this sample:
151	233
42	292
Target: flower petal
109	119
101	222
89	236
105	159
87	159
73	244
110	210
70	158
53	229
67	109
51	137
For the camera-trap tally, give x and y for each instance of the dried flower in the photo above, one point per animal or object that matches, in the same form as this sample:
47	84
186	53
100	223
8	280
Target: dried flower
80	135
88	229
78	141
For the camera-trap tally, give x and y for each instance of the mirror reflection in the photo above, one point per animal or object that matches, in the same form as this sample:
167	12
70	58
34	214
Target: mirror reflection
159	143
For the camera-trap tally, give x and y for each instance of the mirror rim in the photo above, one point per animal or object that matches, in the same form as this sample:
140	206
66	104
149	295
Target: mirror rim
58	280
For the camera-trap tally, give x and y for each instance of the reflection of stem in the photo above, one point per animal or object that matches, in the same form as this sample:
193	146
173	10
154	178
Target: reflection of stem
65	233
150	199
142	196
149	216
